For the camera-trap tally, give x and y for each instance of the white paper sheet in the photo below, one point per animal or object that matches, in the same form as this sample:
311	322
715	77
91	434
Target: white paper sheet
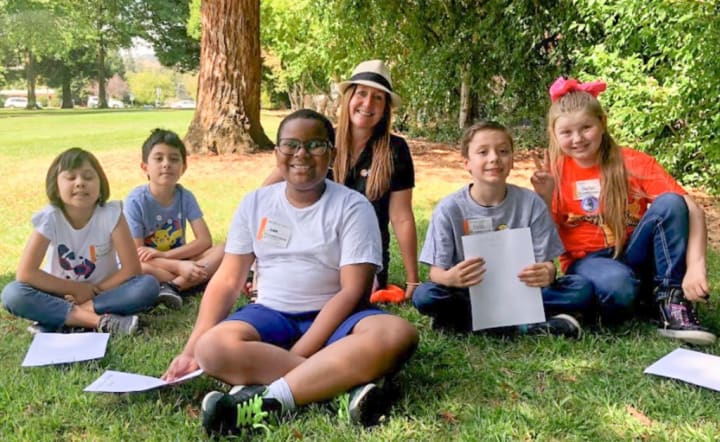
62	348
689	366
120	382
501	299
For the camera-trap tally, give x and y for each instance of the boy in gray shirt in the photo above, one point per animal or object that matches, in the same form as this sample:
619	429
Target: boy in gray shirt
489	203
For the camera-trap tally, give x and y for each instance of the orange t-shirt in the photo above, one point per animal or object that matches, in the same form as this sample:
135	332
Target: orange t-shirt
577	212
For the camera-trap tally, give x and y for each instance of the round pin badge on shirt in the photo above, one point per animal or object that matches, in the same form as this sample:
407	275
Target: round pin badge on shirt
589	204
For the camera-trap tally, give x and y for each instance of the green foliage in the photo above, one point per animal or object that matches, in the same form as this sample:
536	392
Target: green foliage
174	32
659	59
435	41
145	83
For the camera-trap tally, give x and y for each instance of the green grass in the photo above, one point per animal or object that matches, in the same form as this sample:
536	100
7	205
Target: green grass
465	388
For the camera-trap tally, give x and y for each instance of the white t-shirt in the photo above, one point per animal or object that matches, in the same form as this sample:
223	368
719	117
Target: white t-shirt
299	252
86	254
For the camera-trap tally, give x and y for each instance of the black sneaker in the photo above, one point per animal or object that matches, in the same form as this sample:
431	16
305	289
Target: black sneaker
36	328
367	404
558	325
679	320
169	296
245	409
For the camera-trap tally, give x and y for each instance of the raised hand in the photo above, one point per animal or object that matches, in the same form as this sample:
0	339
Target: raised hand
542	180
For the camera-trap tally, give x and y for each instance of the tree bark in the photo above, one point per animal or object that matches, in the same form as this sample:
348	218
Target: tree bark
67	101
227	116
465	117
30	76
102	94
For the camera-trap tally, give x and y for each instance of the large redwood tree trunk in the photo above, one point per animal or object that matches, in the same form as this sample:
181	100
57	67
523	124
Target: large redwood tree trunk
227	116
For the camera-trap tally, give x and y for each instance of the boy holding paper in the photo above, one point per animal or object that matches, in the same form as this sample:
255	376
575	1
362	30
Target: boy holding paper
488	204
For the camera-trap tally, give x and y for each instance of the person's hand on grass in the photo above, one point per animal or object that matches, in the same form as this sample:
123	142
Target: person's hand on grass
179	367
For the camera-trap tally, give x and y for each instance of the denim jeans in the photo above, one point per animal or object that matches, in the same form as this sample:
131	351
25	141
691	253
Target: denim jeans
137	294
654	255
451	306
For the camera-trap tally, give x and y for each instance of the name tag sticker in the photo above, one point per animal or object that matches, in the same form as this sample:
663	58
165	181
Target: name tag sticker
273	232
587	188
480	224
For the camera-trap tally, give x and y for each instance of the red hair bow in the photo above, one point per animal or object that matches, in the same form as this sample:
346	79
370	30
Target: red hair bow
562	86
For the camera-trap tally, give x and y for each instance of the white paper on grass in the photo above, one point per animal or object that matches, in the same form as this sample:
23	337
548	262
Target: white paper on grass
63	348
501	299
689	366
120	382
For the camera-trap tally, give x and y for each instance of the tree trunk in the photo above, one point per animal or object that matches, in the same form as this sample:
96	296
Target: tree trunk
227	116
102	97
67	102
465	117
30	77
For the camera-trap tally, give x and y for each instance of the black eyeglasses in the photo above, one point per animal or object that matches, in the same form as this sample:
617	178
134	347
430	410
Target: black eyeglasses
290	146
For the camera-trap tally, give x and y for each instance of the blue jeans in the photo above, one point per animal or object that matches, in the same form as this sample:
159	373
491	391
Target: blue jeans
654	255
450	307
137	294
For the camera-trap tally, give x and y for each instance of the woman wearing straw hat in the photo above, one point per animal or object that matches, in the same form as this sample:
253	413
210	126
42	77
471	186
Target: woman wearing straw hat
376	163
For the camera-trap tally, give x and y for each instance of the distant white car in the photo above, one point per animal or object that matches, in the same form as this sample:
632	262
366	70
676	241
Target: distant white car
184	104
16	102
113	103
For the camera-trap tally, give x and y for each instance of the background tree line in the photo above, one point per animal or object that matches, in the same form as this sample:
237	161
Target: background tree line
453	61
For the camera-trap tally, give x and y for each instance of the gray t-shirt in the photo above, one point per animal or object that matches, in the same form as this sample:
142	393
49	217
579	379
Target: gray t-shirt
458	214
160	227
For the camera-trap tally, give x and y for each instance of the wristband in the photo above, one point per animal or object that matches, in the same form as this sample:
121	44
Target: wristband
411	284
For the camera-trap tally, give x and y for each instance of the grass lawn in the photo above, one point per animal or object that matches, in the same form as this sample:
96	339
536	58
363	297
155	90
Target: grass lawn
465	388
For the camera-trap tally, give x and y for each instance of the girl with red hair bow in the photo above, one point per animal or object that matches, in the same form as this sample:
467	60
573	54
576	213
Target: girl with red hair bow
624	221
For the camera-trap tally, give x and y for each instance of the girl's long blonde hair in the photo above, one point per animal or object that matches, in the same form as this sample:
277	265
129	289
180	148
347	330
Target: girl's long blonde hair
614	191
381	168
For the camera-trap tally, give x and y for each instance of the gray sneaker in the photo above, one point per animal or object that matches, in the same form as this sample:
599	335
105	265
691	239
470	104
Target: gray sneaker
169	297
116	324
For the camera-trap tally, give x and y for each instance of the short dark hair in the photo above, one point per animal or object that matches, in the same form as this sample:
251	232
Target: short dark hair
69	160
164	136
309	114
480	126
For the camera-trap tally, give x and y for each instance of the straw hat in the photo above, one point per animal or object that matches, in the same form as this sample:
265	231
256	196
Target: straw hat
375	74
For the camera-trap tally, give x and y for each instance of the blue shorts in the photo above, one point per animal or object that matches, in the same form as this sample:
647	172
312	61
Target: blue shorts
284	329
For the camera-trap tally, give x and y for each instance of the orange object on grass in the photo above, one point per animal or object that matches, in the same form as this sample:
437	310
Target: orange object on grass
392	294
